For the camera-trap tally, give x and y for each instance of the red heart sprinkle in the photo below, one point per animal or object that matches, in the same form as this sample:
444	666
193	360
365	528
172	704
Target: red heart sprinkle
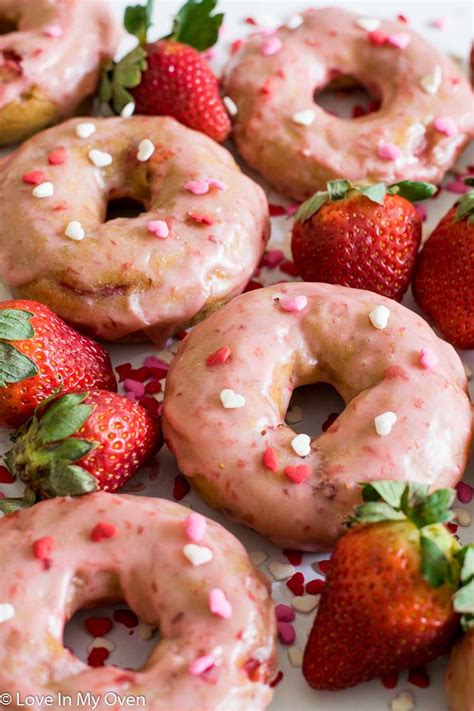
296	584
98	626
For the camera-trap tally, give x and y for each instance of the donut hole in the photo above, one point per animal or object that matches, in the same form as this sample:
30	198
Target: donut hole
347	97
313	408
127	207
106	635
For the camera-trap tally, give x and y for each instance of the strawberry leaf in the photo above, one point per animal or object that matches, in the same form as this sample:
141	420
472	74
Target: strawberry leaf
14	366
469	180
118	78
308	208
413	190
137	20
463	601
436	545
71	449
196	25
15	325
376	192
17	503
70	480
376	512
436	507
465	207
338	189
389	491
63	418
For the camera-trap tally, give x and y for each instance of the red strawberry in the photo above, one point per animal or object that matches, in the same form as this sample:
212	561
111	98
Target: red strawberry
444	279
170	77
366	237
39	354
81	442
387	601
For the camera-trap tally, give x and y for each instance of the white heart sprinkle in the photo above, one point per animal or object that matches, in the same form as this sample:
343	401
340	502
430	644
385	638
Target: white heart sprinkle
74	230
379	317
305	603
44	190
7	612
295	656
258	557
146	148
102	642
231	400
301	444
462	516
281	571
85	130
468	371
303	118
100	159
369	24
128	110
384	423
145	631
197	555
431	82
294	22
403	702
231	106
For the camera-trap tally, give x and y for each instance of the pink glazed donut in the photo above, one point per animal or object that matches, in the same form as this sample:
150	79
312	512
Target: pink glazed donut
177	570
200	236
50	57
425	119
407	415
459	680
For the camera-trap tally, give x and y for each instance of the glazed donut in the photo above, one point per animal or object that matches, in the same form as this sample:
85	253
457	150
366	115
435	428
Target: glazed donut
425	119
177	570
195	246
459	680
407	415
49	60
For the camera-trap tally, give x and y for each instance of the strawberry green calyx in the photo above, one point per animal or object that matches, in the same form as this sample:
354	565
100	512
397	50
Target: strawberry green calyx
15	325
386	501
465	207
463	601
195	25
45	452
339	189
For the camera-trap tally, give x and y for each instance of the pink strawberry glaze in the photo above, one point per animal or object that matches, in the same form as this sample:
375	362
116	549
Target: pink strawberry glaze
298	159
144	566
273	352
459	680
120	279
60	45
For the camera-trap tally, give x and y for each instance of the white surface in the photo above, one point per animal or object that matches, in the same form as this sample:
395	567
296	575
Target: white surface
292	693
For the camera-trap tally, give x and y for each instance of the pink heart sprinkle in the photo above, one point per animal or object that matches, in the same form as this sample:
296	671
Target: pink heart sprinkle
401	40
201	664
135	387
201	187
218	184
389	151
219	604
286	632
195	526
159	228
154	362
272	258
284	613
428	359
446	125
465	492
297	303
422	212
439	23
54	31
271	45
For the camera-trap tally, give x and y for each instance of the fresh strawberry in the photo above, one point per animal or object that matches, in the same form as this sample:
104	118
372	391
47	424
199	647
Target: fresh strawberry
39	354
444	279
170	77
366	237
387	601
81	442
